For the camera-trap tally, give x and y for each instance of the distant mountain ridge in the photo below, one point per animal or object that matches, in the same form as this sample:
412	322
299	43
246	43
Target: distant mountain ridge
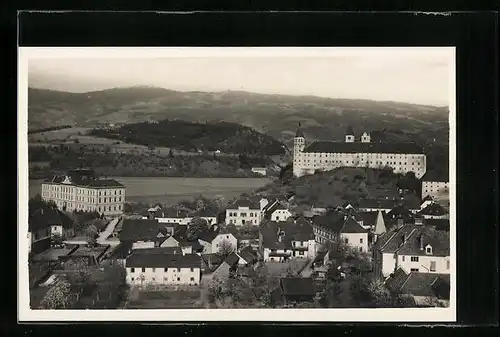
274	115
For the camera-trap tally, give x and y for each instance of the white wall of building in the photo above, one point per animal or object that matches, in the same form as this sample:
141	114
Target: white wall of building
162	276
435	189
280	215
243	216
143	245
359	241
423	264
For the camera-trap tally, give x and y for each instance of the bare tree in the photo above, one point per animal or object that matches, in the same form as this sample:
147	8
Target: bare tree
225	249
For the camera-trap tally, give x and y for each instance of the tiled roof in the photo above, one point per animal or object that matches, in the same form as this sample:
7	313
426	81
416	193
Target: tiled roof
438	224
86	182
248	254
349	131
335	222
297	286
358	147
441	176
433	209
244	202
209	235
139	230
424	284
392	242
299	132
294	231
46	216
158	250
206	212
170	213
400	212
232	259
396	280
369	218
163	261
122	250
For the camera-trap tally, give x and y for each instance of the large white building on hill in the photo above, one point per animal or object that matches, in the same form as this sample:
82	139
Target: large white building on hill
327	155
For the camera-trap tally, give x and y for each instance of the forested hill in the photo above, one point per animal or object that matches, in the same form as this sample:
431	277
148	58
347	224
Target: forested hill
187	136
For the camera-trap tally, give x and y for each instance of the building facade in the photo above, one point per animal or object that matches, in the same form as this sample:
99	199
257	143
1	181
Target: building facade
82	191
326	156
243	212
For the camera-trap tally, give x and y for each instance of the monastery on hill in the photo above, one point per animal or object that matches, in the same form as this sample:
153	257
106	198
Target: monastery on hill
326	156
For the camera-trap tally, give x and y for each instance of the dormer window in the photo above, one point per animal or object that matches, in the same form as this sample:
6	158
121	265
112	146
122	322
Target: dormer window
428	249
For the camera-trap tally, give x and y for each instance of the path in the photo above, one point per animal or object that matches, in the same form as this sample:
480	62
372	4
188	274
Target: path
103	236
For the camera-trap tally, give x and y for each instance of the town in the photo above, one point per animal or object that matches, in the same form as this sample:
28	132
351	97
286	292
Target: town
275	247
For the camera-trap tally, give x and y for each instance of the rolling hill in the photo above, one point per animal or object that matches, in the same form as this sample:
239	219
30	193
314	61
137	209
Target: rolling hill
274	115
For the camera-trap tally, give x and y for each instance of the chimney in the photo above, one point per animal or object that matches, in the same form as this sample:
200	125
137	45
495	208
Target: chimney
421	239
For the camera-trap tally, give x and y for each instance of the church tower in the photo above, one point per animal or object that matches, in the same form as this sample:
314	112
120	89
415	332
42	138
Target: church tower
299	143
349	136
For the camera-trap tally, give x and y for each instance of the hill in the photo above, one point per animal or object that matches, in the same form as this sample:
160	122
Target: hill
332	188
274	115
188	136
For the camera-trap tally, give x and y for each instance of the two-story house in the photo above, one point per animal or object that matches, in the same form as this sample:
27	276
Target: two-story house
169	215
280	241
415	248
243	211
434	211
163	269
335	225
436	184
215	238
276	211
44	223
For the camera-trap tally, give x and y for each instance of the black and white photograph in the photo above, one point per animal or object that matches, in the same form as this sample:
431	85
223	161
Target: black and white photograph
283	184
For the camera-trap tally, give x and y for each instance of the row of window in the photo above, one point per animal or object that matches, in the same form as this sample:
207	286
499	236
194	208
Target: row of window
243	214
376	155
432	266
243	221
358	162
165	279
132	270
71	189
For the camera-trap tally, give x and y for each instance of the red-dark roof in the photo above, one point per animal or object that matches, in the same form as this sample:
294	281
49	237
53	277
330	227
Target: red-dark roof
244	202
86	181
46	216
335	222
433	209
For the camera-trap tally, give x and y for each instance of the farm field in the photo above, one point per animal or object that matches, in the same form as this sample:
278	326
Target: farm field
170	190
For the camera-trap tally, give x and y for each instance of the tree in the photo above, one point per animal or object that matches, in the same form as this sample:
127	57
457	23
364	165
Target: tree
381	298
78	272
171	153
195	227
286	174
225	249
58	296
220	202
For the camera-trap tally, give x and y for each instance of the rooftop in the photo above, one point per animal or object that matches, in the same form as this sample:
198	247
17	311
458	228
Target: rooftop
292	230
46	216
85	181
164	261
244	202
297	286
358	147
406	241
419	284
158	250
433	209
338	223
139	230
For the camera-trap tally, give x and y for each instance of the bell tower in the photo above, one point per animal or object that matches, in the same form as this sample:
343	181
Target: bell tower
299	143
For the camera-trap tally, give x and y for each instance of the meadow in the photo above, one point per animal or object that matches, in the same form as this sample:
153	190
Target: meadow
170	190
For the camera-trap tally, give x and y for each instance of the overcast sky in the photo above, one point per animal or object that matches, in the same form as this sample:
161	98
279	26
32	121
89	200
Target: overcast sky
415	78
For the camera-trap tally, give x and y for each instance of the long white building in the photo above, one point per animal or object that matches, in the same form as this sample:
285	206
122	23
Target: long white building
80	190
327	155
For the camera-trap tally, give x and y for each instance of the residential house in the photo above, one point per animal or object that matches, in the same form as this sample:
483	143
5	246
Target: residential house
44	223
179	239
243	211
228	267
434	211
169	215
279	241
247	255
436	184
415	248
335	225
208	214
141	233
423	289
386	205
276	211
294	290
215	238
163	269
426	202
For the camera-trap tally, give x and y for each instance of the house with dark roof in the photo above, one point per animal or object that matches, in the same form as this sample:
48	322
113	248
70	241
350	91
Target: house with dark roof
44	223
414	248
294	290
216	238
180	239
280	241
141	233
163	269
168	215
248	256
436	184
228	267
328	155
386	205
82	190
243	211
276	211
336	225
434	211
209	214
423	289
